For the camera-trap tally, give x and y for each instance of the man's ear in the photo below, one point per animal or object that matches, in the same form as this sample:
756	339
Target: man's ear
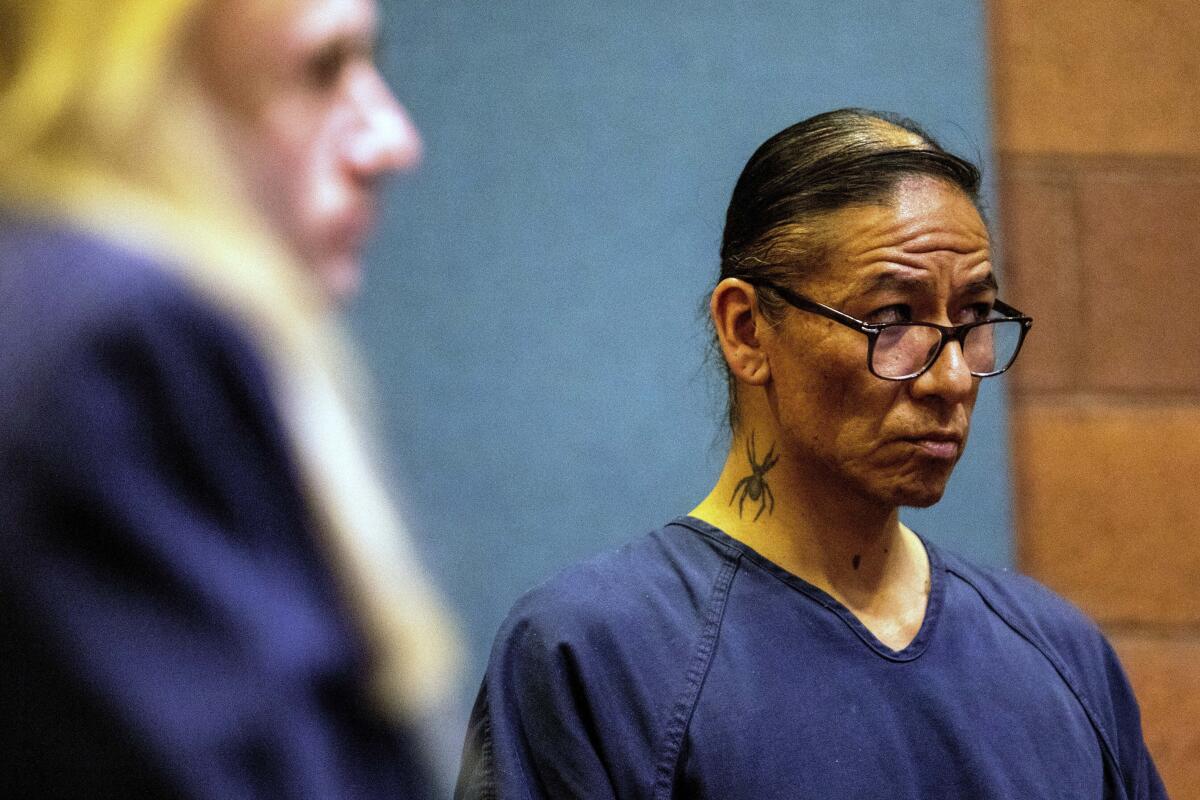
735	315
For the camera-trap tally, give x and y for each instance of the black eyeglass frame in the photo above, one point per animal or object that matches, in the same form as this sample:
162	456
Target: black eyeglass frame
872	330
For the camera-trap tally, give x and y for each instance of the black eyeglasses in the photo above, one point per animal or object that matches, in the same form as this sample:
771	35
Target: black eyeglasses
901	351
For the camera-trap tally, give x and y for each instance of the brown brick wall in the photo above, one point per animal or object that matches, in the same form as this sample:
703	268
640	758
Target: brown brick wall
1108	513
1096	76
1097	109
1162	667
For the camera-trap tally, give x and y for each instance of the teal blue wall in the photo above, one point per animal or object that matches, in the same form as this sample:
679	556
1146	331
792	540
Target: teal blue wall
531	312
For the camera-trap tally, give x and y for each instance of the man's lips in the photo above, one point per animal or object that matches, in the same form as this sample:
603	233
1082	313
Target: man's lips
938	443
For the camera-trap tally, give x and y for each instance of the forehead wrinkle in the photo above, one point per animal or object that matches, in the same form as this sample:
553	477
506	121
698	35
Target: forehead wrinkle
920	236
905	239
929	230
917	227
945	242
913	236
892	267
907	279
923	262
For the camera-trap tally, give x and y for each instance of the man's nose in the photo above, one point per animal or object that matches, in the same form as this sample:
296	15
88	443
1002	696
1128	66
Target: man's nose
385	138
948	377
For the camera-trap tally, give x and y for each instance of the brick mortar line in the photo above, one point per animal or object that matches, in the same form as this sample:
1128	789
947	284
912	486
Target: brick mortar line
1066	176
1187	633
1164	400
1123	165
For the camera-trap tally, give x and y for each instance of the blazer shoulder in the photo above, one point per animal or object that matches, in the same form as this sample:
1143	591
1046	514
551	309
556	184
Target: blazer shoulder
71	300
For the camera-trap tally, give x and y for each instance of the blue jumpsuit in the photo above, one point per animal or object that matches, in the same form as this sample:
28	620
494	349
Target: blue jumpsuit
686	665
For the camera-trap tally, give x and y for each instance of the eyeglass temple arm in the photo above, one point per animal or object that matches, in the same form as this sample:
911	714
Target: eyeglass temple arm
799	301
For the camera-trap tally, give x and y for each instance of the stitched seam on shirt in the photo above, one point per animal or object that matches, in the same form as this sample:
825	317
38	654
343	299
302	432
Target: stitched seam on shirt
681	717
488	788
1063	670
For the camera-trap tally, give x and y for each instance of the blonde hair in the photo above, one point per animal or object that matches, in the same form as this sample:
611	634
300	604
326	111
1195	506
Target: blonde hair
101	124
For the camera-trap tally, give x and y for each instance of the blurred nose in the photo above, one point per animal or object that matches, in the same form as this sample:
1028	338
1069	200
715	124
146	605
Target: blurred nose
385	138
948	377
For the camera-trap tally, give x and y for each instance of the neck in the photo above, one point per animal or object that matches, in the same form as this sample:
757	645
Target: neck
799	517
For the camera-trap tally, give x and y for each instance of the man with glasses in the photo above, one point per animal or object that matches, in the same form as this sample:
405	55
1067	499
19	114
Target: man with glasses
790	637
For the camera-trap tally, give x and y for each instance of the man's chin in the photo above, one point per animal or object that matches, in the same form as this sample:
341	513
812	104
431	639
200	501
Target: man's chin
917	493
922	501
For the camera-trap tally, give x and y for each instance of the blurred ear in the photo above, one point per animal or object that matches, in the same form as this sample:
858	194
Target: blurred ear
734	309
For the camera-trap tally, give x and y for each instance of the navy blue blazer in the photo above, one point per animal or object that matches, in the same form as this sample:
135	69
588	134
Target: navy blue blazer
169	627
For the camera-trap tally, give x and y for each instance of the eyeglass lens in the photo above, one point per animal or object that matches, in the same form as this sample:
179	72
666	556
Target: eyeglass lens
904	350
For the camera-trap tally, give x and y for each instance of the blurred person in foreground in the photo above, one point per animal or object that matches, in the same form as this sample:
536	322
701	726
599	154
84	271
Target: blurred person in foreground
206	591
790	637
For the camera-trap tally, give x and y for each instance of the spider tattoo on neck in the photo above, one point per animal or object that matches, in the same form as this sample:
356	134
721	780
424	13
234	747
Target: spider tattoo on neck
754	486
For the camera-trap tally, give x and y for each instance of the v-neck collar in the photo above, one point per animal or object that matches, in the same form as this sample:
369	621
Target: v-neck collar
911	651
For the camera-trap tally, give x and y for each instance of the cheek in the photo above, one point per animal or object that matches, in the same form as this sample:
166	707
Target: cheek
865	408
833	408
327	188
298	176
288	129
847	429
832	412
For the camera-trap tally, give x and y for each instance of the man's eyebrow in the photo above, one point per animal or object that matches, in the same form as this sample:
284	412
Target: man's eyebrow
885	281
351	41
893	280
987	284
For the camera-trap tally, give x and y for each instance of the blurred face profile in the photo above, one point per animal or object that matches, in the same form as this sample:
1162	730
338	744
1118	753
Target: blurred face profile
308	120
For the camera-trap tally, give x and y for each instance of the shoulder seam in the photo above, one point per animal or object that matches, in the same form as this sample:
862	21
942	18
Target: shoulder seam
681	715
1049	653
